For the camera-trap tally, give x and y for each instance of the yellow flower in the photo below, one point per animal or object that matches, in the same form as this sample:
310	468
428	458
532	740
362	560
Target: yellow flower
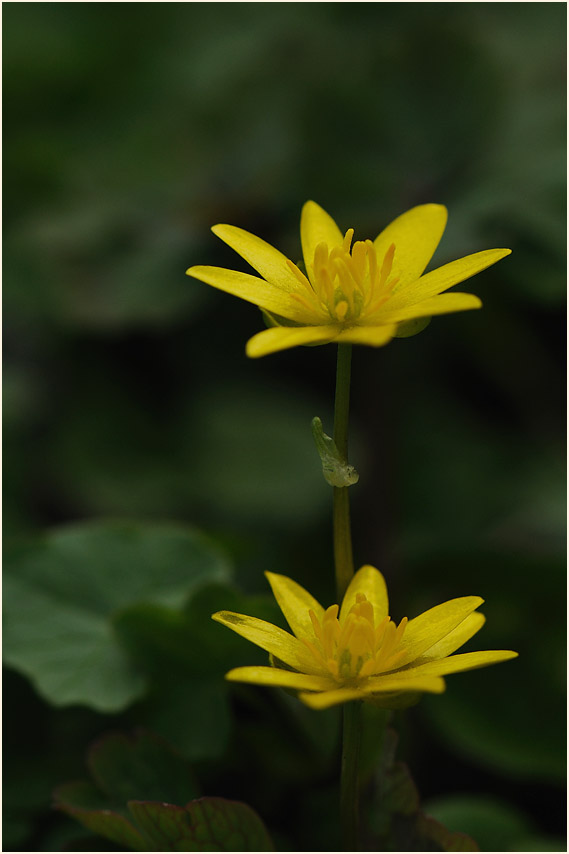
357	652
356	294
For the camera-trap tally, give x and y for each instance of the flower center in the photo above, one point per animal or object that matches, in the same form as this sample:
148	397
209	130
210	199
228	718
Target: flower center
357	647
346	282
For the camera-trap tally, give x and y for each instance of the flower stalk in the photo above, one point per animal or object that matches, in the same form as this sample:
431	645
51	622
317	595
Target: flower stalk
344	565
343	556
349	794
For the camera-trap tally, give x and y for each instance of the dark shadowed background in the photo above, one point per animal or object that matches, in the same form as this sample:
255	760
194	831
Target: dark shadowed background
130	129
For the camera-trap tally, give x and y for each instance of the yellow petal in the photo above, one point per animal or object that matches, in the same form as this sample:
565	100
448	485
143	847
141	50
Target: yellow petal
279	678
316	226
325	699
379	685
370	581
458	663
285	337
443	304
295	602
433	625
264	258
455	639
270	638
445	277
400	682
249	288
373	336
416	235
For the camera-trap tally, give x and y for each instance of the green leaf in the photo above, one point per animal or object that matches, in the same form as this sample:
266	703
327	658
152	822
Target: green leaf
496	826
85	803
62	593
185	656
208	824
400	795
124	767
195	714
398	823
124	770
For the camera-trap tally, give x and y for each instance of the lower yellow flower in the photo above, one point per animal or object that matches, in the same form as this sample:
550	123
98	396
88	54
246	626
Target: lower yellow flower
356	651
360	293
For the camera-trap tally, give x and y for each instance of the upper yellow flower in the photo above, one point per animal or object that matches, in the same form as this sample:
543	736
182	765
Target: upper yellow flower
357	652
352	294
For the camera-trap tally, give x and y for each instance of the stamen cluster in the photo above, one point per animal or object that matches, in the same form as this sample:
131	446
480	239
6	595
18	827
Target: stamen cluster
355	648
346	284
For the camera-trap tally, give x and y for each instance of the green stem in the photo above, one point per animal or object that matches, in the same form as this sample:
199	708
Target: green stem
343	557
349	797
344	563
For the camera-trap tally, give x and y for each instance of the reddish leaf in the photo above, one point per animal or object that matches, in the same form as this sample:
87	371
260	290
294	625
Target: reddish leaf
207	824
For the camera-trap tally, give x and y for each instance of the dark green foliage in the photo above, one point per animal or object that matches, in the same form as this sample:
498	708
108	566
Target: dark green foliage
130	129
125	770
63	593
397	822
209	824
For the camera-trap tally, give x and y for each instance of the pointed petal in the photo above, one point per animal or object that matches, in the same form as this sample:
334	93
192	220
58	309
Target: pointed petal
264	258
416	235
270	638
379	685
280	678
325	699
454	640
370	581
249	288
400	682
316	226
373	336
443	304
458	663
285	337
433	625
445	277
295	602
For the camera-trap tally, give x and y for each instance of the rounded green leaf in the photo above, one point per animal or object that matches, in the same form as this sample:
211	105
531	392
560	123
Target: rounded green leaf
208	824
143	765
62	593
84	802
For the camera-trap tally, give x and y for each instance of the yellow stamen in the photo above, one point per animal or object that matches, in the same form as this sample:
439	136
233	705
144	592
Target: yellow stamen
359	259
372	264
345	281
321	256
315	624
357	648
304	302
347	242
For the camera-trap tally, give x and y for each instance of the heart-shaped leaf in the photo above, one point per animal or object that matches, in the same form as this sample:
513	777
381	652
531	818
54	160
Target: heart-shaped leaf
114	806
185	656
85	803
124	767
62	593
208	824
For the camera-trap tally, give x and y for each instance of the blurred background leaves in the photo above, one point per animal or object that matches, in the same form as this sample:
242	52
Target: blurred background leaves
129	130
